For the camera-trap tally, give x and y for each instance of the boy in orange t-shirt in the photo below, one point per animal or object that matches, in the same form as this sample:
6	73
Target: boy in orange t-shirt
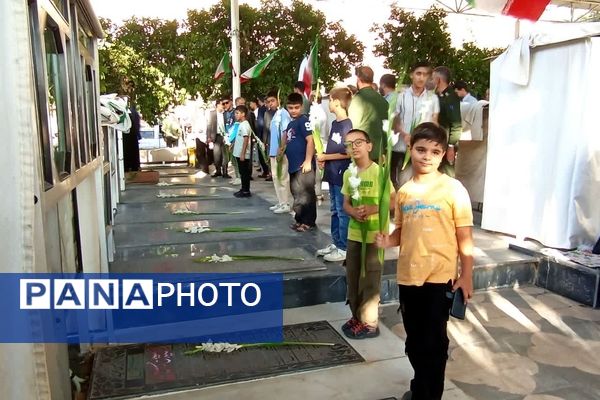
433	229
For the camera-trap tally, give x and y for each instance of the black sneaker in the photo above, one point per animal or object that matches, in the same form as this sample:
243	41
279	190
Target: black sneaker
241	194
362	331
226	176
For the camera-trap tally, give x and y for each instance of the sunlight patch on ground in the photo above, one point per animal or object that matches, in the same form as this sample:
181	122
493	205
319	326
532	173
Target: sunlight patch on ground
549	315
562	351
479	365
512	311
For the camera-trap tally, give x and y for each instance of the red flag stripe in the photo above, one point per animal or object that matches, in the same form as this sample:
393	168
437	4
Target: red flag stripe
525	9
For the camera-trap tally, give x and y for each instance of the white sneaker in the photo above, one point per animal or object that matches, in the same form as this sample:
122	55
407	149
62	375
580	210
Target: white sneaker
326	250
236	181
275	207
336	255
283	209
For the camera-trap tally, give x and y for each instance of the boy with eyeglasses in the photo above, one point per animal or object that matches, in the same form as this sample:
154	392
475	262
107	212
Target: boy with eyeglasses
361	201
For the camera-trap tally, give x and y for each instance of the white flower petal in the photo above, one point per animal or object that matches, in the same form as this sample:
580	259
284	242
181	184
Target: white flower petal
385	125
353	169
354	182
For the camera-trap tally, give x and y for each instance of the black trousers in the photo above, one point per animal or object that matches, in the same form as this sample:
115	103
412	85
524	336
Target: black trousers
425	311
302	187
395	166
245	168
221	155
263	163
202	160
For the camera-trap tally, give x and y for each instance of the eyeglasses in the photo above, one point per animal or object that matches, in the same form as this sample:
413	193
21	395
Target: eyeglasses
355	143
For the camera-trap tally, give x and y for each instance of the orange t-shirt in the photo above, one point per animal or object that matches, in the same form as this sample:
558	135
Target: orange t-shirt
428	215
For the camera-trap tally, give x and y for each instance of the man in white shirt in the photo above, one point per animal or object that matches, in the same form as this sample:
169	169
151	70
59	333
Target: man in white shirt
461	89
387	86
415	105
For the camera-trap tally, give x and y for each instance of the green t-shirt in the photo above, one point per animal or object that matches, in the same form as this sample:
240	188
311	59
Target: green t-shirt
367	111
369	195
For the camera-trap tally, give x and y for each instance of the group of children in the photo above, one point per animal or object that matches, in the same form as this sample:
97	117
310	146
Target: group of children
433	224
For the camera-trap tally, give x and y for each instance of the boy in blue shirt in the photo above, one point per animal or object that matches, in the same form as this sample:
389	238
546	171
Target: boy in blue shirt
335	162
300	151
281	181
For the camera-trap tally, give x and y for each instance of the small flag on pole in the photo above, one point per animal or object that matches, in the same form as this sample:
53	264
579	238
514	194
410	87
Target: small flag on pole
258	69
309	68
224	66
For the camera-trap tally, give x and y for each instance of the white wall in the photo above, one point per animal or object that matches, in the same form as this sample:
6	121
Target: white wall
23	367
543	166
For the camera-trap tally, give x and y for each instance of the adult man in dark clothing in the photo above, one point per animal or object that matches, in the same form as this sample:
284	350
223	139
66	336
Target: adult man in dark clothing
368	109
215	132
266	134
202	151
258	106
131	146
449	117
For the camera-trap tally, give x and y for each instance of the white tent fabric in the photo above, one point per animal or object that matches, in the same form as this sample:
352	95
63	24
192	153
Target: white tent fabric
543	162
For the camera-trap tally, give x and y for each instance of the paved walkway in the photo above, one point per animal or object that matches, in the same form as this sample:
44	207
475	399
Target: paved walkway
521	343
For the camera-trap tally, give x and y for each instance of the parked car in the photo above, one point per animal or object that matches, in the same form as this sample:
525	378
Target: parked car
151	139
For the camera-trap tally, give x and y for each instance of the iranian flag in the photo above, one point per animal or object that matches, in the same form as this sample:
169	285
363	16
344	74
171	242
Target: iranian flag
309	68
224	66
258	69
522	9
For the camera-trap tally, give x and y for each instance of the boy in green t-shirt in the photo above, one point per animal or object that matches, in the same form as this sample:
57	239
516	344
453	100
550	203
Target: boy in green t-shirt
361	202
433	229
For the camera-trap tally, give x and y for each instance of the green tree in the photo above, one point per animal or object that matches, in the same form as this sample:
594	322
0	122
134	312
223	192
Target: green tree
125	72
155	40
406	39
472	65
167	59
272	26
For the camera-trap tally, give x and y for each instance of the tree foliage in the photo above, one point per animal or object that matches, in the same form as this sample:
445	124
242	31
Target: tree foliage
472	65
406	39
125	71
272	26
172	57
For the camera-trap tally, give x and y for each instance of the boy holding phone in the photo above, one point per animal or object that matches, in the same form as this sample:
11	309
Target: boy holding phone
433	229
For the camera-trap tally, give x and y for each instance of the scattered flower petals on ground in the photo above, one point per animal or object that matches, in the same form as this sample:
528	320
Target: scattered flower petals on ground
166	195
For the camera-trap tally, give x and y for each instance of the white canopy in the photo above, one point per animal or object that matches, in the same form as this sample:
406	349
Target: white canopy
543	163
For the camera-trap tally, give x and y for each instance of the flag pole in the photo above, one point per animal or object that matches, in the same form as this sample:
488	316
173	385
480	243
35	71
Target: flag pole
235	48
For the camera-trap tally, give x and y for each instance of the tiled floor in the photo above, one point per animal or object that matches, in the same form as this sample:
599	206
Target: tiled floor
516	344
525	344
522	343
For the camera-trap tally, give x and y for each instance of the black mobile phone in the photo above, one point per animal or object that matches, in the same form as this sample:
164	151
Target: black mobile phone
458	307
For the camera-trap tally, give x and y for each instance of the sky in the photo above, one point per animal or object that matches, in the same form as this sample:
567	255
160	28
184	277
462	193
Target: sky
355	17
